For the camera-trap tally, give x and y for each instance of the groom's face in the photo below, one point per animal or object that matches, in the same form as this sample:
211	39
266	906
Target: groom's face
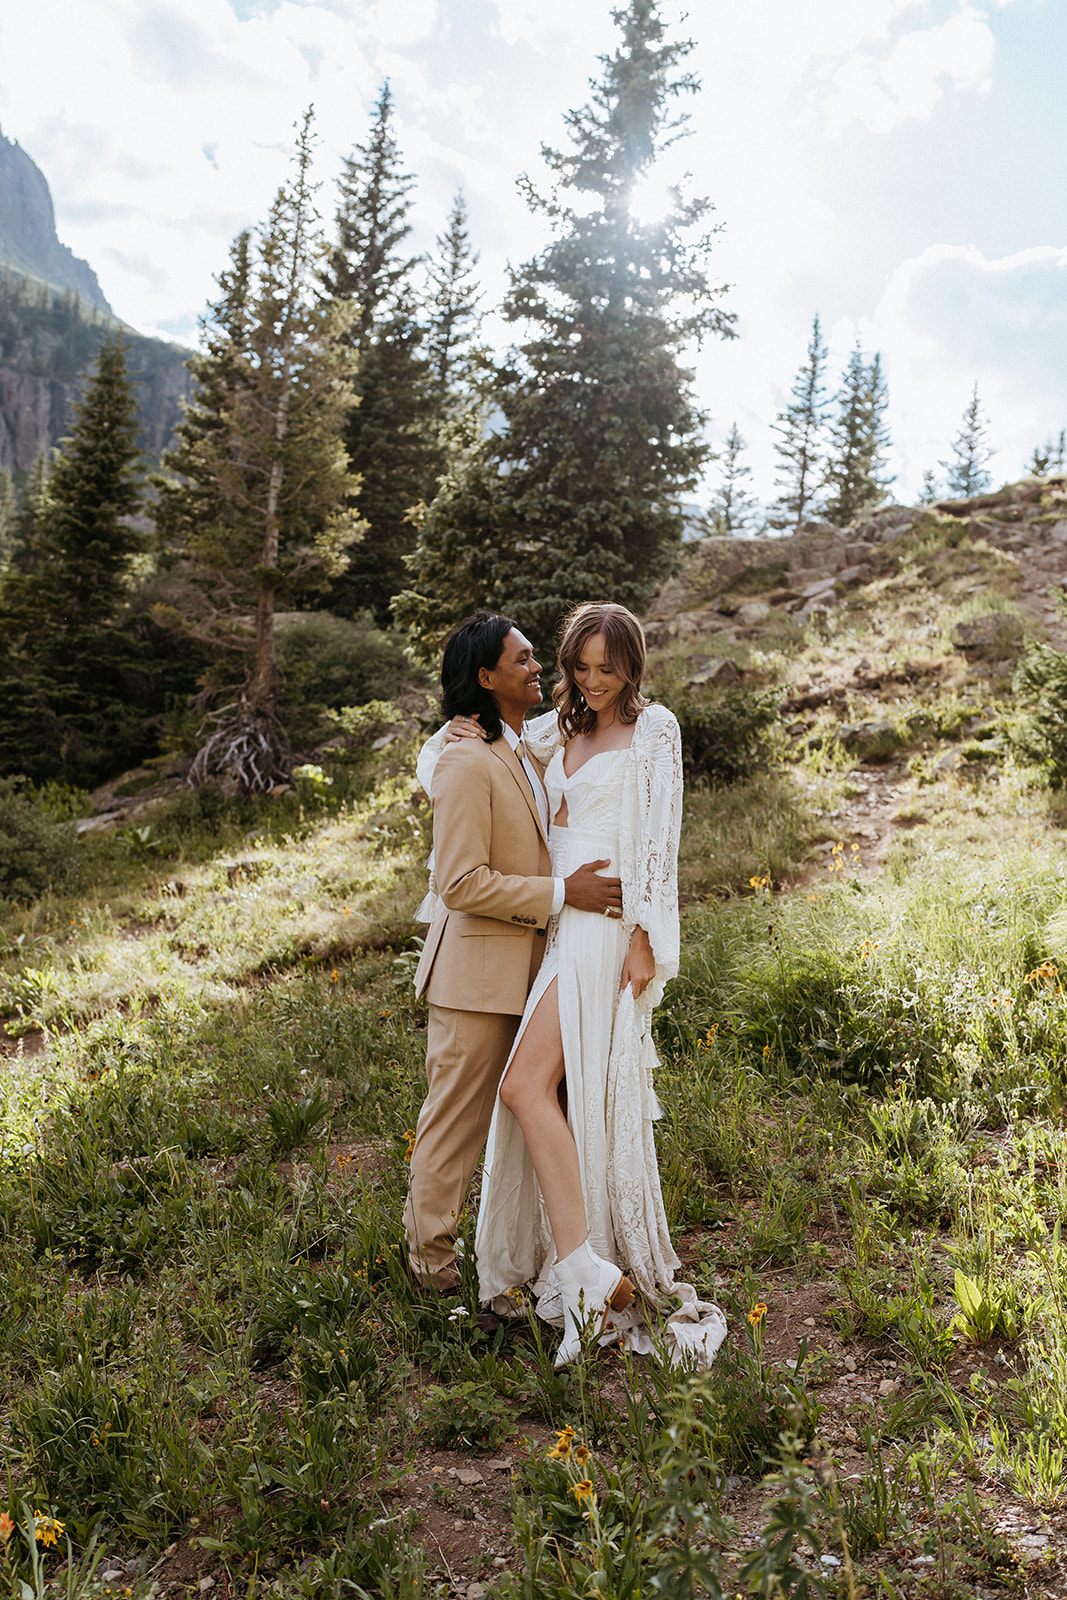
515	681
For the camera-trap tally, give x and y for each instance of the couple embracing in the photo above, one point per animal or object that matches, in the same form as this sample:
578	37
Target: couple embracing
555	931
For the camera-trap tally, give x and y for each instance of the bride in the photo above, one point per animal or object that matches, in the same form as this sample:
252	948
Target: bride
571	1192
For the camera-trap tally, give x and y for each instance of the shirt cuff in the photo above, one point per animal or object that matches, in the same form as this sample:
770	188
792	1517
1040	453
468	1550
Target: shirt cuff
558	896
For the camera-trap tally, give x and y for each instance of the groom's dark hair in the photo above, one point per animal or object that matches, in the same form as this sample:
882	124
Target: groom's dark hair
476	643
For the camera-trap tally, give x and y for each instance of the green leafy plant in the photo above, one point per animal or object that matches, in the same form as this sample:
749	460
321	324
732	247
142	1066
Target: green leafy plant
294	1122
467	1414
987	1312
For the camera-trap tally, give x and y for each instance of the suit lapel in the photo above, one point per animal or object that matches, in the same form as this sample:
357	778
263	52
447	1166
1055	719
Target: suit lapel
506	754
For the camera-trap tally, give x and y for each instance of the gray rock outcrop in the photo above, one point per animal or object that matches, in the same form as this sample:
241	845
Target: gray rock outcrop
28	239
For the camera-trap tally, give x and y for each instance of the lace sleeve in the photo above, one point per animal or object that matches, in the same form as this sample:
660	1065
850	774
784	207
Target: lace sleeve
651	826
542	736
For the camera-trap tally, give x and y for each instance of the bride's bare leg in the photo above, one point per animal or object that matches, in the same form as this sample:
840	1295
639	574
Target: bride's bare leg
530	1091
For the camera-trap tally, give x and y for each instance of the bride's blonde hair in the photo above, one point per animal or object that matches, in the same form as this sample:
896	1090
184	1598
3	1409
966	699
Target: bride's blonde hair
624	643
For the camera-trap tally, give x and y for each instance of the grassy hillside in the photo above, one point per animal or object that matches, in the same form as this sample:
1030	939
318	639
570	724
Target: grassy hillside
215	1373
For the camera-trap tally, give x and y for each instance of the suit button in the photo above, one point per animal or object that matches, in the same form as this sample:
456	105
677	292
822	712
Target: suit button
540	933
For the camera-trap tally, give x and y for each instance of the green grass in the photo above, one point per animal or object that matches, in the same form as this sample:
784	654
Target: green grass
208	1345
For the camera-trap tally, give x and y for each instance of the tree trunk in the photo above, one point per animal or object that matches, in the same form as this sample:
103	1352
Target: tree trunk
261	691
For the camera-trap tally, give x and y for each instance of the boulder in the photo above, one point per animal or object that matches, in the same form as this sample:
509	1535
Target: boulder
720	670
871	741
752	613
990	637
820	586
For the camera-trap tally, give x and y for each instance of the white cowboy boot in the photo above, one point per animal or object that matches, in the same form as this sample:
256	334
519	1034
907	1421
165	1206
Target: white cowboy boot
590	1287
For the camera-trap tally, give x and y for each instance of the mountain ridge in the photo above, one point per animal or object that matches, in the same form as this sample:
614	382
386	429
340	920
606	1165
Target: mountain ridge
28	238
53	318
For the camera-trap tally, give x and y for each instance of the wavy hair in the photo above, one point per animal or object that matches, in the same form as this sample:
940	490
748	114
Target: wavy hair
477	642
624	642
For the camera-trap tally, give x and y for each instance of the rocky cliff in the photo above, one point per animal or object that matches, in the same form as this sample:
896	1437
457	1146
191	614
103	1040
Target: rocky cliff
53	316
28	240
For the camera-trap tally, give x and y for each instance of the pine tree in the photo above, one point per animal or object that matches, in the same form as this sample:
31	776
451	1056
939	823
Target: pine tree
25	551
970	451
858	442
454	318
8	516
732	507
1048	457
85	536
392	431
577	495
263	507
366	267
799	428
66	706
929	493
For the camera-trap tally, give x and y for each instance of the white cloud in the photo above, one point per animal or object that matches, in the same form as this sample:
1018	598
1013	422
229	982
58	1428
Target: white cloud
878	89
952	318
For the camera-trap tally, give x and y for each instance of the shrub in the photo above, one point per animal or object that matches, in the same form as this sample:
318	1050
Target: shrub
729	737
35	851
327	661
1041	684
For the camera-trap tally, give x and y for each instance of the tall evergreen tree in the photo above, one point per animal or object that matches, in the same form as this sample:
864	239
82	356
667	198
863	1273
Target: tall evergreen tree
799	428
85	537
263	506
29	516
392	431
8	515
453	320
65	707
577	494
970	451
733	508
858	442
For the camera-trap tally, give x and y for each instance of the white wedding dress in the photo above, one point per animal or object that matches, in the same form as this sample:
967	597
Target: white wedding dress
624	805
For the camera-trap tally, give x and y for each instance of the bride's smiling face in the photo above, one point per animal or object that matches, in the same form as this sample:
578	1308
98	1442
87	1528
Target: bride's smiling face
596	677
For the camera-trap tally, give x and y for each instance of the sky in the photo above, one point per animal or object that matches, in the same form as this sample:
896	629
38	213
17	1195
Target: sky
898	166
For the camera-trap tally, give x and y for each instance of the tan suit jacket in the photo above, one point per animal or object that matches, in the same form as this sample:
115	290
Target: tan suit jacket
494	879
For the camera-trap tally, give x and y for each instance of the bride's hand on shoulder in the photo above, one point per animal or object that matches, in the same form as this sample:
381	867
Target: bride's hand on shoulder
464	728
639	968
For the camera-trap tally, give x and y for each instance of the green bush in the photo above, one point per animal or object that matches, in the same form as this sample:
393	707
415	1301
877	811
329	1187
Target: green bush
1041	684
36	853
729	737
329	662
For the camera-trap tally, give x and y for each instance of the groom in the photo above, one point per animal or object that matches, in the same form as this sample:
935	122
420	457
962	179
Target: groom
483	949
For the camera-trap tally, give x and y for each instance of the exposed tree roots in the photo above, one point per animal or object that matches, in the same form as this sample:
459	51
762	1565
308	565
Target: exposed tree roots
247	749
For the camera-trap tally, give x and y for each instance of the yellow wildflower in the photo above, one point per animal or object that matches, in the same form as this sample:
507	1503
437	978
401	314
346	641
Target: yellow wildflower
584	1491
409	1135
562	1449
581	1455
334	975
342	1160
757	1314
46	1530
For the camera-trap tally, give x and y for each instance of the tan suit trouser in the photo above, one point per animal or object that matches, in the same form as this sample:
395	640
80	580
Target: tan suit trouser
466	1052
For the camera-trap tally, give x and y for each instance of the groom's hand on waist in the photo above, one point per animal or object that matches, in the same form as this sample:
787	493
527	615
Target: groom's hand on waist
585	890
